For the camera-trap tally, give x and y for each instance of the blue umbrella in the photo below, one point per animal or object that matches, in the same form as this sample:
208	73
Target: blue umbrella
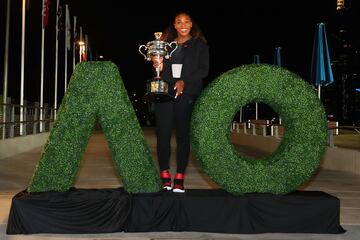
321	72
256	59
277	57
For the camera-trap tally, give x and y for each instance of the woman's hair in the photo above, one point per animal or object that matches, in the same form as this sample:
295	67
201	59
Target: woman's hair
170	32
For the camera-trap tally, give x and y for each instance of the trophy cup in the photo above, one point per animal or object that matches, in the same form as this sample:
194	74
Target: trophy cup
157	88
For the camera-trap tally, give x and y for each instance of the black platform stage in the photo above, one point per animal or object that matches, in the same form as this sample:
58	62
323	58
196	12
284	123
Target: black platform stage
115	210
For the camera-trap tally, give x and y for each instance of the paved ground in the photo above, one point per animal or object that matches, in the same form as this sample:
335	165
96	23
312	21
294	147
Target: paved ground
97	171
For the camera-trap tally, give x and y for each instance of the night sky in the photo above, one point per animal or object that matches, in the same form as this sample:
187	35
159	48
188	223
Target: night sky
235	30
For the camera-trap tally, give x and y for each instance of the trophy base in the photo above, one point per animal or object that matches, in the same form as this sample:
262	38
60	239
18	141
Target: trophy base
157	90
158	97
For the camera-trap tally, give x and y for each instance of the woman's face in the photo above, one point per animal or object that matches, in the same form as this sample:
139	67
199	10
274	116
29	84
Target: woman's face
183	25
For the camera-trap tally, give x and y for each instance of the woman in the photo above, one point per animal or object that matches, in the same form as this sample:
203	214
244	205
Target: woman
193	55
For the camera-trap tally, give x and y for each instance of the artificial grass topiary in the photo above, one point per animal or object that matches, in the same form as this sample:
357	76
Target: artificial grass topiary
300	151
96	92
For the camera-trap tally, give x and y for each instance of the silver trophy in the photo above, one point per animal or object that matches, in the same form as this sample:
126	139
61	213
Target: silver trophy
157	88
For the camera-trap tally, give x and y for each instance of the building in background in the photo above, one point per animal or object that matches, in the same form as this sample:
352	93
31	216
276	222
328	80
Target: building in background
341	99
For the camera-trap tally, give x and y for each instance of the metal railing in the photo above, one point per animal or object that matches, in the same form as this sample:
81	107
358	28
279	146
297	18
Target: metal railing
259	127
346	137
35	119
338	136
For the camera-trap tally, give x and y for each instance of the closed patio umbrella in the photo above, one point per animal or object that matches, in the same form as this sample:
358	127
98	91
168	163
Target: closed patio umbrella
321	71
256	59
277	57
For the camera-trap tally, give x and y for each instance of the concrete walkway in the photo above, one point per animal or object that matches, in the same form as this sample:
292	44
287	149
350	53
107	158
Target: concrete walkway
97	171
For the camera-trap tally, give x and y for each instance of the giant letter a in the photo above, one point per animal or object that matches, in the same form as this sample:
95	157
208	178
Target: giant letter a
96	92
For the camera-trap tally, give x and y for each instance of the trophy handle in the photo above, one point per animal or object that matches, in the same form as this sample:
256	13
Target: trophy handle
140	47
169	55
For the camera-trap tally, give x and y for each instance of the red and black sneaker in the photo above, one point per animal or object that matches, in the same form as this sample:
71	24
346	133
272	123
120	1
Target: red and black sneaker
166	179
179	183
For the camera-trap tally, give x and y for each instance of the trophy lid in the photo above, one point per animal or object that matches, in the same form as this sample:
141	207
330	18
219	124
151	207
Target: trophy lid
158	35
157	41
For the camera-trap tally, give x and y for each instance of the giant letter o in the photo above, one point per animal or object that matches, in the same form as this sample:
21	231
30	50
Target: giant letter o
300	151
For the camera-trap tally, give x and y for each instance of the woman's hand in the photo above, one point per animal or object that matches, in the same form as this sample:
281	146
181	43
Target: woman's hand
179	87
158	62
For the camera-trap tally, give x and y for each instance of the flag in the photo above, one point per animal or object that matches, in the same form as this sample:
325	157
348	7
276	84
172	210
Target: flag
83	55
28	5
88	49
81	35
60	18
45	13
75	30
68	28
82	47
74	42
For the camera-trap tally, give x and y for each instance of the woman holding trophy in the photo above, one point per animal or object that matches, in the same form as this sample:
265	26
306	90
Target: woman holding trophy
185	71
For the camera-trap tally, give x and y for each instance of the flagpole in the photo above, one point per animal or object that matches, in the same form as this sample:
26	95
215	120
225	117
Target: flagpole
65	74
277	61
256	111
42	66
240	117
256	61
65	78
6	58
74	43
21	130
56	59
66	45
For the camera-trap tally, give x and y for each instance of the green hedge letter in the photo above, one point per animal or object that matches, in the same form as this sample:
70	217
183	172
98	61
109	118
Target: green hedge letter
96	92
300	151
